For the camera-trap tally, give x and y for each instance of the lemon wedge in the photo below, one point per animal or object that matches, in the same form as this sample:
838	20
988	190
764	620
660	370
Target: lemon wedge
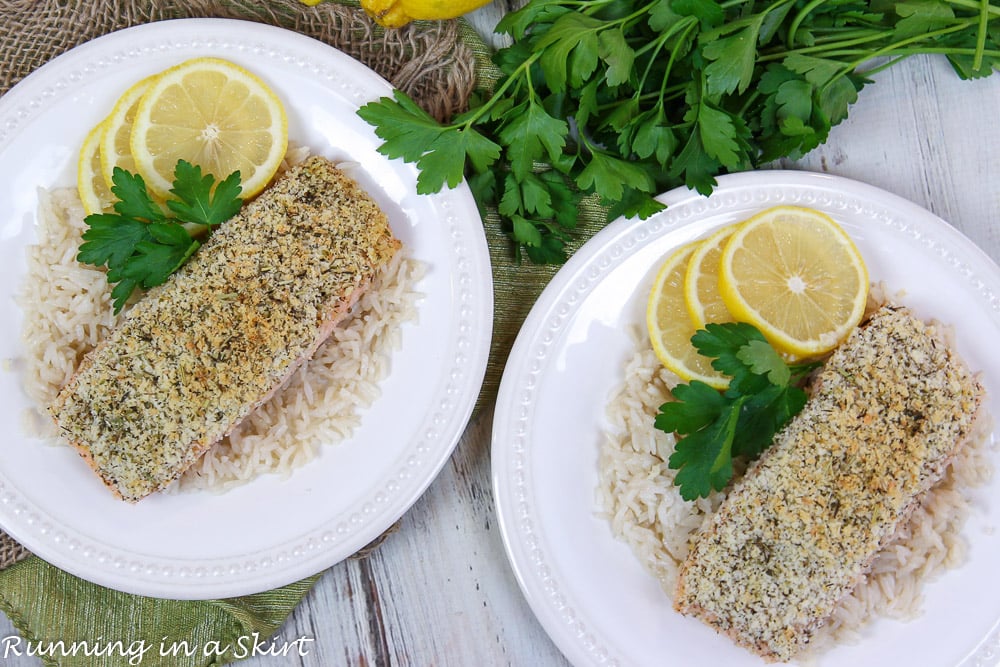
214	114
397	13
701	281
670	326
115	148
796	275
94	192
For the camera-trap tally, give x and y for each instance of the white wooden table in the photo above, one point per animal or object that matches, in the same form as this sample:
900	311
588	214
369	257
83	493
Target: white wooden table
440	591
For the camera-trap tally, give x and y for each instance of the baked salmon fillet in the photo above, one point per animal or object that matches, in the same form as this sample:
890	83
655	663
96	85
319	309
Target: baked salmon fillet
200	352
886	415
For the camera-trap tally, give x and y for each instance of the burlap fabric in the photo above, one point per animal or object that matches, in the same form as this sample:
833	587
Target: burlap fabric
10	551
427	60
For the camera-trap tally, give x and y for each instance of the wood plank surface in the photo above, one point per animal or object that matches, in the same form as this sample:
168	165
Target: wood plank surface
439	590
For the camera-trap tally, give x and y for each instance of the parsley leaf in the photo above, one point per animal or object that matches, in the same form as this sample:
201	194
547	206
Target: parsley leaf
733	60
111	239
170	248
532	135
613	49
697	406
440	152
197	202
713	427
134	200
569	50
608	176
761	359
704	458
139	244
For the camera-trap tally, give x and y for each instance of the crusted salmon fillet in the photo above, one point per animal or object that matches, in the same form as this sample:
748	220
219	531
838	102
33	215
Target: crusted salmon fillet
202	351
887	413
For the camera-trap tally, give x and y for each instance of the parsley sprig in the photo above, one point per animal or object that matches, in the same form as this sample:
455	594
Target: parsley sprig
140	243
621	99
714	427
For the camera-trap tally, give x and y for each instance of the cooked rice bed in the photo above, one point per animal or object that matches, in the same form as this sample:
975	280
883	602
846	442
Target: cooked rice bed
67	309
636	495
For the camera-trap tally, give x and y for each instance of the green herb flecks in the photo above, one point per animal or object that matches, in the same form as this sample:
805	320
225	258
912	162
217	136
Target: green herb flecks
140	244
713	427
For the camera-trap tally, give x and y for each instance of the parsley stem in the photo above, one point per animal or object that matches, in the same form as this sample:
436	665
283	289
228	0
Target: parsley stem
980	5
840	48
673	58
473	118
799	18
827	48
665	36
939	50
984	19
658	44
886	65
898	47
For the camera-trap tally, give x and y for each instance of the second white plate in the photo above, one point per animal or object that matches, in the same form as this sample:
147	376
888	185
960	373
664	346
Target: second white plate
587	589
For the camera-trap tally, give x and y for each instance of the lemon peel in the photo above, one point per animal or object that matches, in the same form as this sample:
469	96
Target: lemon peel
670	327
94	192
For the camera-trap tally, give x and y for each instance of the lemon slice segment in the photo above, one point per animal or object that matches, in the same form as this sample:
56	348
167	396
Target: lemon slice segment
670	327
115	148
796	275
214	114
94	192
701	281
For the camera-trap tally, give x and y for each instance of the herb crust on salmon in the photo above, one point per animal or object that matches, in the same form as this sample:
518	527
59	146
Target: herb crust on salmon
199	353
887	414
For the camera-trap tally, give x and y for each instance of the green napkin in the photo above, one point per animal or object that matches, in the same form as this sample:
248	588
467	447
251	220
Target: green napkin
52	610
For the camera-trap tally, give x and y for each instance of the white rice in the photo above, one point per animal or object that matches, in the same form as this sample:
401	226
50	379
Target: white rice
68	310
637	496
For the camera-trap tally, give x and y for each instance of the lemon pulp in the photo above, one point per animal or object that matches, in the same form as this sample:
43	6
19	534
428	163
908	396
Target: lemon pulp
214	114
796	275
701	281
670	326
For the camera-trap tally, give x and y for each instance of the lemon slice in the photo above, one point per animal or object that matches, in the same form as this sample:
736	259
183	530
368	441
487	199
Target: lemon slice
670	327
797	276
94	192
115	149
213	114
701	281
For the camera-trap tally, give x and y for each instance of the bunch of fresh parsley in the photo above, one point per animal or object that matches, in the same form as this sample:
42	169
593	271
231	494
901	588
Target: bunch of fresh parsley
622	99
713	427
139	243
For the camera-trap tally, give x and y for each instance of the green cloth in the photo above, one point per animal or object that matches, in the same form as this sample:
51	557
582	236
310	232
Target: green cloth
73	610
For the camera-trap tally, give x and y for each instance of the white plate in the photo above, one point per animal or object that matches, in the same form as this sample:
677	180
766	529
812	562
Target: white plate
589	592
271	531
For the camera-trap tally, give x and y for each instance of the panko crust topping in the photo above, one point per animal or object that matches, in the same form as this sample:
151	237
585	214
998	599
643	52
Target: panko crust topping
200	352
887	413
